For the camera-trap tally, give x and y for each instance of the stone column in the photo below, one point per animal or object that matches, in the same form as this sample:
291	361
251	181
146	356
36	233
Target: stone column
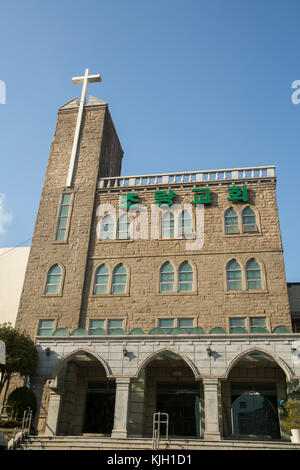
54	408
121	407
212	428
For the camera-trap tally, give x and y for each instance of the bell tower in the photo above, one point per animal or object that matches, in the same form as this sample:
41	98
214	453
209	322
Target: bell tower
85	147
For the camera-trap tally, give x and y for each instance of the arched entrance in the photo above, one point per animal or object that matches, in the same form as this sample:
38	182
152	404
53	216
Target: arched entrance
170	387
250	397
87	396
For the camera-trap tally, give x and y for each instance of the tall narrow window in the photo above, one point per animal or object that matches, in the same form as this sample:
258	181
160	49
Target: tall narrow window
185	277
119	278
123	227
63	217
107	228
185	224
53	282
234	275
249	220
231	221
167	227
166	283
253	275
101	280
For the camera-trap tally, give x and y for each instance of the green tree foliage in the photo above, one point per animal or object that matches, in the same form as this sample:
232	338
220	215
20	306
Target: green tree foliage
21	354
292	420
20	400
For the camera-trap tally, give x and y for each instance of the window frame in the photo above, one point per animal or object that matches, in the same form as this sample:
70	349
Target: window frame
254	280
39	328
167	282
59	293
67	217
238	232
233	280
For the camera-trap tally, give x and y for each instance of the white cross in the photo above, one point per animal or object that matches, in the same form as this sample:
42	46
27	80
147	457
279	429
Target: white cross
77	80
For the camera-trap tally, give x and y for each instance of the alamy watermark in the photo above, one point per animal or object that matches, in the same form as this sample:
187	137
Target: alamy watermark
2	92
138	223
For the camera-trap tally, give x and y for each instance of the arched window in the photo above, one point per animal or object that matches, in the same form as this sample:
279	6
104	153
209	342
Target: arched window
166	281
107	228
167	226
185	223
249	220
53	282
101	280
185	277
253	275
231	221
234	275
119	279
123	227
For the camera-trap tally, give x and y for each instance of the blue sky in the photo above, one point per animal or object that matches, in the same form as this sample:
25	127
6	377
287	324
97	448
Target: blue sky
191	84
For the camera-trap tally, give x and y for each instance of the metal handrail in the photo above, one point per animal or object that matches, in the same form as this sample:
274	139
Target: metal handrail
25	429
157	421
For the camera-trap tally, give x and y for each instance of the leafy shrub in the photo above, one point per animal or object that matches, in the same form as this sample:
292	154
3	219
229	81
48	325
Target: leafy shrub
20	400
292	420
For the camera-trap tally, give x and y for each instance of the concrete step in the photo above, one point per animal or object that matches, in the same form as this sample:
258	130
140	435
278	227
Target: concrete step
102	443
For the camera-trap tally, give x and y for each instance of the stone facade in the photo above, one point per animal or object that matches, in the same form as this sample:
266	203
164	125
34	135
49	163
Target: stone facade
132	365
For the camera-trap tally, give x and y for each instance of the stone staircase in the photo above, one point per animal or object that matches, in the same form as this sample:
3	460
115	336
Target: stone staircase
102	443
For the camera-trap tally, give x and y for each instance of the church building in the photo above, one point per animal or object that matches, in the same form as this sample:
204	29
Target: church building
155	293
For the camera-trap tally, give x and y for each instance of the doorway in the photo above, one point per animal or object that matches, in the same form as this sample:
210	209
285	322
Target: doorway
100	408
254	410
182	403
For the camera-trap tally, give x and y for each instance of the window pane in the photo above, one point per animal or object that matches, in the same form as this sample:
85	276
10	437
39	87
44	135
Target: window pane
115	324
168	225
52	289
234	285
166	323
249	220
55	269
254	285
94	324
120	269
260	321
62	222
66	198
253	275
164	287
100	289
64	211
237	325
118	289
53	279
234	276
185	322
165	277
60	234
231	221
185	287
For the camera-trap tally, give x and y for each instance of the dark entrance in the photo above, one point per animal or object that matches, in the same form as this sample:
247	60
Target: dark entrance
182	403
100	408
254	410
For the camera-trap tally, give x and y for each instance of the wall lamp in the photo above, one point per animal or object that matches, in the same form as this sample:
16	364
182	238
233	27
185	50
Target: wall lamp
125	352
209	351
48	351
